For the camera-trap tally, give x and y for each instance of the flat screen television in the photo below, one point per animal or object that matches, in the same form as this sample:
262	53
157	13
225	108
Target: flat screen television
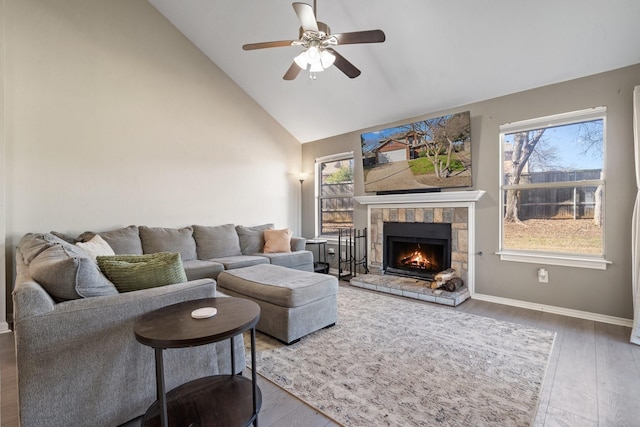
428	155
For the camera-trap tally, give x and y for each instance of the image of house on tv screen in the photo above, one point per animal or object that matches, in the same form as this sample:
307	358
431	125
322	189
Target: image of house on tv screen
428	155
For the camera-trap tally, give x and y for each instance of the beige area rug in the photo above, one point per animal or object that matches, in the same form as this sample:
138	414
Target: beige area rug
396	362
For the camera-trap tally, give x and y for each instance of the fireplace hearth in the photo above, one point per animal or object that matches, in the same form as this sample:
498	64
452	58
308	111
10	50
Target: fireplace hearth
418	250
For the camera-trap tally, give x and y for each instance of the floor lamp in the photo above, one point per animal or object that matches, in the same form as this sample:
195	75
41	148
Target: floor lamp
301	177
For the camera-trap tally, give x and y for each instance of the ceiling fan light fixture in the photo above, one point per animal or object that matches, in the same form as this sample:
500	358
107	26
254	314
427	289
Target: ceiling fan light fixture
316	68
301	60
327	59
313	55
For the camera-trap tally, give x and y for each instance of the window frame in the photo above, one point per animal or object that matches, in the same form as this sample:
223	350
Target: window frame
542	257
318	189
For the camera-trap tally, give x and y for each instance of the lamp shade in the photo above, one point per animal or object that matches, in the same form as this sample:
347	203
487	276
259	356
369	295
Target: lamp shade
312	55
327	59
301	60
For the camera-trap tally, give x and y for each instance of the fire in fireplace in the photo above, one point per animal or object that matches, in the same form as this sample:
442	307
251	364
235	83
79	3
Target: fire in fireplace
419	250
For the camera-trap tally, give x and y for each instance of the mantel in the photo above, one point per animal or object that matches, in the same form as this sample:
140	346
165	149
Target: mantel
439	197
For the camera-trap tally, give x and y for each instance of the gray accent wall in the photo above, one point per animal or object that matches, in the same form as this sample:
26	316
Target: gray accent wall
604	292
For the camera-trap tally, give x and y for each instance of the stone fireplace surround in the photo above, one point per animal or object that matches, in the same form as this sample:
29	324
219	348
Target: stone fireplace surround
454	207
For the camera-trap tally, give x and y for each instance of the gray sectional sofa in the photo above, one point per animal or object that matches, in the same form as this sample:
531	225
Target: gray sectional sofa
78	361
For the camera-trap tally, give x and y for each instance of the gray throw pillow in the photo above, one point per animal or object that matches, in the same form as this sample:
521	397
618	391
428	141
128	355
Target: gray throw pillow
252	238
33	244
67	273
216	242
66	237
135	272
159	239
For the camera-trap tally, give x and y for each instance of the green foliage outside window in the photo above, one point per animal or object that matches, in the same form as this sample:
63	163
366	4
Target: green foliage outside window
343	174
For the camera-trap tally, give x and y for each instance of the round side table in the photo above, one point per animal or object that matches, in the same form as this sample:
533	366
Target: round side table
217	400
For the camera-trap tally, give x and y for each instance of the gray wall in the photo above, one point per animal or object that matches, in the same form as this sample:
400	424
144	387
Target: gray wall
113	117
604	292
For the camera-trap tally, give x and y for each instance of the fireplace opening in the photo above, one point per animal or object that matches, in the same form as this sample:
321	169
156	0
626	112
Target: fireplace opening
418	250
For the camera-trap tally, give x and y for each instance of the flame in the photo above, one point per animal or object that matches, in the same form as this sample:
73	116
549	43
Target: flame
416	260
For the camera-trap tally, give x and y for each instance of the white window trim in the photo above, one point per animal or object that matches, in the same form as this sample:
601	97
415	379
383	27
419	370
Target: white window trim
595	262
555	120
324	159
598	262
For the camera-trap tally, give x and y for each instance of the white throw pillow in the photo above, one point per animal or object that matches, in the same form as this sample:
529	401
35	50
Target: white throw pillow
95	247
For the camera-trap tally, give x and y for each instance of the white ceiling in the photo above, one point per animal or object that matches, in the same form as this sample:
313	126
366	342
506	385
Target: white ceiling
438	54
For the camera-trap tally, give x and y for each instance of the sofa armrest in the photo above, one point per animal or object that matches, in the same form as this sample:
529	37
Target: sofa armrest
30	299
80	361
55	324
298	244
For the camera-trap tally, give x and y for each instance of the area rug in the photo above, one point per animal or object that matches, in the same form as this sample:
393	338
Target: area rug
396	362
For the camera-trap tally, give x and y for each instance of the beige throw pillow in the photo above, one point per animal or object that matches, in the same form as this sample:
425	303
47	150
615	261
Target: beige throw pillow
277	241
97	246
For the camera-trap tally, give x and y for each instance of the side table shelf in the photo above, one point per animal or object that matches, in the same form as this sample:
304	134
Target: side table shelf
212	401
232	395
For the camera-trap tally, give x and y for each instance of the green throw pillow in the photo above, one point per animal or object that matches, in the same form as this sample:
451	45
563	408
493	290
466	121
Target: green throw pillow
135	272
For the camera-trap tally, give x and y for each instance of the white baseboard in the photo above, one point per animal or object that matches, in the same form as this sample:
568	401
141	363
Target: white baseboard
4	327
556	310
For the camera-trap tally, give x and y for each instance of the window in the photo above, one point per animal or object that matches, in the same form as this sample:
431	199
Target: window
334	194
552	189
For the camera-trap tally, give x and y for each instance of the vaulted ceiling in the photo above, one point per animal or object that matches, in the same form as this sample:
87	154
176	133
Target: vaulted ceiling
437	54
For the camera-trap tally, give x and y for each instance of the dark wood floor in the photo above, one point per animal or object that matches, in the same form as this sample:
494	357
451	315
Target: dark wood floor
593	378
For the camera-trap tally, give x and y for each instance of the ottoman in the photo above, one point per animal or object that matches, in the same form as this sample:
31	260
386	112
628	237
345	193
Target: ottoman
294	303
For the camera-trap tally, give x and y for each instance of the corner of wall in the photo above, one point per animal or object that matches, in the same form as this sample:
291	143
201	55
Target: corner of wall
4	299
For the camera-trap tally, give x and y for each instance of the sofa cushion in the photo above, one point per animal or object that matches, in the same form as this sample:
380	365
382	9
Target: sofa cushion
66	237
122	240
32	244
135	272
66	272
201	269
96	246
252	238
160	239
240	261
216	242
299	260
277	241
298	243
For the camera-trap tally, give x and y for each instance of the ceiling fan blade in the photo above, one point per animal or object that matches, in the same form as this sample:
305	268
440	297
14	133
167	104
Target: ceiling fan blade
306	16
345	66
263	45
371	36
292	72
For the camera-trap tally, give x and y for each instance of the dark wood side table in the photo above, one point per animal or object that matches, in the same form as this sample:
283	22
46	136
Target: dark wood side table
218	400
320	265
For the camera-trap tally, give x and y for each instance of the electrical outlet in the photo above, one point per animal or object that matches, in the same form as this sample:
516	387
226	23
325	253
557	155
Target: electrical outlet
543	275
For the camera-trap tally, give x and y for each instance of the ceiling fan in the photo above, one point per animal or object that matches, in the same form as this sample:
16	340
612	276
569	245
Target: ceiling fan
318	42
